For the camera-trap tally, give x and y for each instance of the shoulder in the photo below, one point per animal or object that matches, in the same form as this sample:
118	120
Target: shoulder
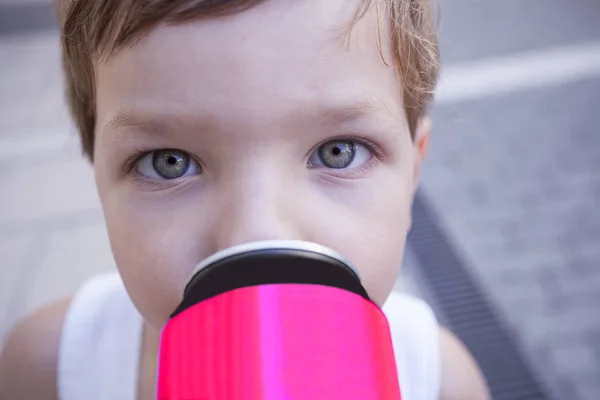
461	377
28	362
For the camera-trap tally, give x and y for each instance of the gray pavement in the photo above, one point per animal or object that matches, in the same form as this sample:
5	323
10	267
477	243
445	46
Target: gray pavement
474	29
516	180
513	177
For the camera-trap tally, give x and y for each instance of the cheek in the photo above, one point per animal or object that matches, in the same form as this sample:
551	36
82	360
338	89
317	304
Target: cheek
155	253
383	236
372	234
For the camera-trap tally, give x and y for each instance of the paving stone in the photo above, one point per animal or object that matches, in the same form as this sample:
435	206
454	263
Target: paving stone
586	263
523	295
574	357
587	391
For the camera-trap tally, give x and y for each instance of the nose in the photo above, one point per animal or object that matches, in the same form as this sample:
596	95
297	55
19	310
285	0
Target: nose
257	209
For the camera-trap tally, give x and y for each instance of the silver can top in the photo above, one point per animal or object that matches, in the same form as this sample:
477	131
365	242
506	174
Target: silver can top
273	245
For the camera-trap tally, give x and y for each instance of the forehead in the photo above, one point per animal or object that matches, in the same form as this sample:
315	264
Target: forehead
277	57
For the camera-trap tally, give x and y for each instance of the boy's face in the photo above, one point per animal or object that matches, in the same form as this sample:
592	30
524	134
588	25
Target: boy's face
262	125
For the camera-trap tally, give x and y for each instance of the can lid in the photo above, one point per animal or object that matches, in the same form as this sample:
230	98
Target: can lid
267	263
297	245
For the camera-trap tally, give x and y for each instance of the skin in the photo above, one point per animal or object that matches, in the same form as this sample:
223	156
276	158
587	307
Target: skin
253	108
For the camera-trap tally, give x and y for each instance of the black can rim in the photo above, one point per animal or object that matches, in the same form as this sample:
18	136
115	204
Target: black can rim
297	245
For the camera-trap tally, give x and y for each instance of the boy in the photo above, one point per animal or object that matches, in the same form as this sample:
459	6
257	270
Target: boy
216	123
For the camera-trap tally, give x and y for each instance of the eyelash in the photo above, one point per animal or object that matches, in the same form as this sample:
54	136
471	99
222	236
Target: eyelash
135	158
369	144
373	147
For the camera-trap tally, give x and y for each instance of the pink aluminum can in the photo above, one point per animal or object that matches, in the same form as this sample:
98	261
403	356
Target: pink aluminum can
276	321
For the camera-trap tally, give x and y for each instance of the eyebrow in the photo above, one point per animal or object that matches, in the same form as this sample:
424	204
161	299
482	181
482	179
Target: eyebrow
333	114
133	124
130	120
353	111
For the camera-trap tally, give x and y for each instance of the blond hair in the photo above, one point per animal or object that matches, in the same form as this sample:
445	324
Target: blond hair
92	29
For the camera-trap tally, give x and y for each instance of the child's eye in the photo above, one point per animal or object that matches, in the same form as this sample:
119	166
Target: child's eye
340	154
167	164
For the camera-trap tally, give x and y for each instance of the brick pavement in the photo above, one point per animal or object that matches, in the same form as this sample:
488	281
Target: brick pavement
515	179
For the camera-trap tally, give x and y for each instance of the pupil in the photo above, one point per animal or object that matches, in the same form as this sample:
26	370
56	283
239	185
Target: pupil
172	160
336	151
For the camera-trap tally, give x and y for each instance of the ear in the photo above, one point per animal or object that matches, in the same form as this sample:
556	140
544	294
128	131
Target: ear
421	142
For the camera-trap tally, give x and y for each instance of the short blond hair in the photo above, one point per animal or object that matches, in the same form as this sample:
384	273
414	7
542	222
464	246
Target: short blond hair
92	29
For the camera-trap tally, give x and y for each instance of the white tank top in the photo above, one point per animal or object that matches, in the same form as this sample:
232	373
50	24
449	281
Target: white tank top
102	336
